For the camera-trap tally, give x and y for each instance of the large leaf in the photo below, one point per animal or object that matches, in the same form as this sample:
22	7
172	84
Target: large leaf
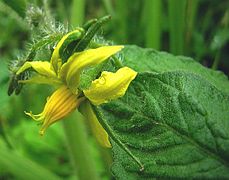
176	123
143	60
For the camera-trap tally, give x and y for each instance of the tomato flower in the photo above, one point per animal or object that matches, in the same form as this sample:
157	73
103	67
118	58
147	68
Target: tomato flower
66	77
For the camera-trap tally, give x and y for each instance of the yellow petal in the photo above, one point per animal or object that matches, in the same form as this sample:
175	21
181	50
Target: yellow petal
55	59
70	71
42	80
110	86
59	105
97	130
42	67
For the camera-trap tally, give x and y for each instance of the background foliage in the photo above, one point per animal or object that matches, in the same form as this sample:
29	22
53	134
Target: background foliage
199	30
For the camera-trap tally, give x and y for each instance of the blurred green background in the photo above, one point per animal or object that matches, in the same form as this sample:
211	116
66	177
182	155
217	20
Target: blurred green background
195	28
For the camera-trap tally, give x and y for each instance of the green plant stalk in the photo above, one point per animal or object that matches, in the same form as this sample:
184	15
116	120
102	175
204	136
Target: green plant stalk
106	156
77	12
176	10
47	10
23	168
78	146
105	153
61	11
216	60
121	18
108	7
192	6
4	135
152	24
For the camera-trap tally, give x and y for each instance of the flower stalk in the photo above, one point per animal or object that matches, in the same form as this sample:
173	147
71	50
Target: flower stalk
76	136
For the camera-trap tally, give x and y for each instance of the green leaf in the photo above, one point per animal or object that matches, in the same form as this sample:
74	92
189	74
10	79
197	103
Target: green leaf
176	123
143	60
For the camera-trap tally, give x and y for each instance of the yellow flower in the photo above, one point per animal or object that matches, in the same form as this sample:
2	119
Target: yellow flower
66	77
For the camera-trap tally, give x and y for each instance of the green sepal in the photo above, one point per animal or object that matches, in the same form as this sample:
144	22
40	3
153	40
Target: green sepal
93	29
14	85
66	49
89	23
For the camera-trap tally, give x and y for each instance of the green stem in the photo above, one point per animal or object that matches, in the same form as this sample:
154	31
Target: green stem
106	157
216	61
77	141
92	122
152	9
108	7
77	12
121	18
176	25
23	168
4	135
115	137
192	6
47	10
61	11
